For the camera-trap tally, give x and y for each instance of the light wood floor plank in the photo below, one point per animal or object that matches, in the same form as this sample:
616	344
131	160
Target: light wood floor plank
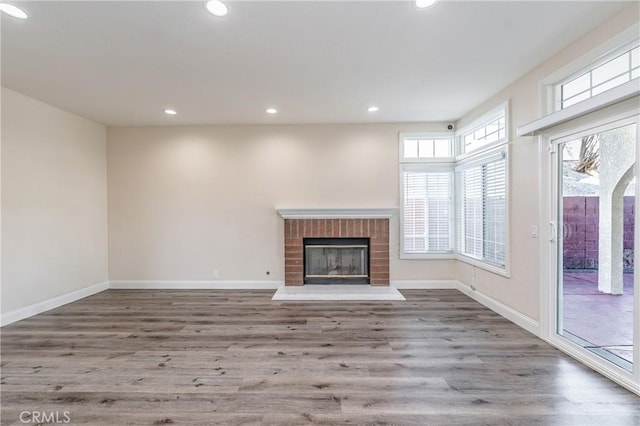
235	357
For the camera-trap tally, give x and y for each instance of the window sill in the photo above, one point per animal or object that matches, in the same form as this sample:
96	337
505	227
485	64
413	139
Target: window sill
504	272
427	256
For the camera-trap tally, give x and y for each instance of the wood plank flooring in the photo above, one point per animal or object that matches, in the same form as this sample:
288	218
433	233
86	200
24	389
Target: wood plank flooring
236	357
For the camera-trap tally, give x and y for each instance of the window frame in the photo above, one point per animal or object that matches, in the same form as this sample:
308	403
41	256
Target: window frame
588	70
486	157
453	164
550	96
501	110
427	165
421	167
426	135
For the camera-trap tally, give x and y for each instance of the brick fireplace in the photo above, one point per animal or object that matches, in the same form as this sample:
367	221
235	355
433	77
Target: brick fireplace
298	226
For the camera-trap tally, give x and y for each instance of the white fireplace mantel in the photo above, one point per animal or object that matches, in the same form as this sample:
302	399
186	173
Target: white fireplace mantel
350	213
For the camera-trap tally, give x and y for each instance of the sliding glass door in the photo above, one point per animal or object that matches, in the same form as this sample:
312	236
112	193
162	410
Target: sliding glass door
595	220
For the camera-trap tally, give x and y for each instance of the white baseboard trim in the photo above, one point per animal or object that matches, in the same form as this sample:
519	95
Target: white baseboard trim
195	285
501	309
425	284
46	305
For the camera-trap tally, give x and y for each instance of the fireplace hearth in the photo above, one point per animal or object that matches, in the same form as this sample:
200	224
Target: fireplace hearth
336	260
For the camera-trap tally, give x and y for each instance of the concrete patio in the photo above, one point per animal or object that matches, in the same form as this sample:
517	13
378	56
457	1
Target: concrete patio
603	321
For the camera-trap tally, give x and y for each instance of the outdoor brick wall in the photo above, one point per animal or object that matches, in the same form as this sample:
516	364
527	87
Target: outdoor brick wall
377	230
580	217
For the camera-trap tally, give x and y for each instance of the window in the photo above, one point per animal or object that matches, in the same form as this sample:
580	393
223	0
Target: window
417	147
482	209
426	210
454	195
618	68
491	129
427	194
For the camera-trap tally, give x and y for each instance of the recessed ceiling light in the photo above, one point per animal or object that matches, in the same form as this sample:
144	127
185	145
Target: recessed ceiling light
217	8
373	108
13	11
170	111
423	4
272	111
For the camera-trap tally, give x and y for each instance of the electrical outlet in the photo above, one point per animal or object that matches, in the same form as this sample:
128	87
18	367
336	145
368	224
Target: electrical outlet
216	275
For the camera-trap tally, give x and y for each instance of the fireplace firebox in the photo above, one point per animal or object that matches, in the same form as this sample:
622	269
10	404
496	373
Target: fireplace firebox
336	260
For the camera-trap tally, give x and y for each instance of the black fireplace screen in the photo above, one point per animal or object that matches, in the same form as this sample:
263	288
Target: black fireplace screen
336	260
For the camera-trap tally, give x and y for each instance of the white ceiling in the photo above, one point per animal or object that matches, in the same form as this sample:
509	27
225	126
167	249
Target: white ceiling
122	63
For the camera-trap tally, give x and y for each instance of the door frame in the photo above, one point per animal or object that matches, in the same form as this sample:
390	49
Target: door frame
613	116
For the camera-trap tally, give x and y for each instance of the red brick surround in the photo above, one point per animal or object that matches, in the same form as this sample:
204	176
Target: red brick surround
375	229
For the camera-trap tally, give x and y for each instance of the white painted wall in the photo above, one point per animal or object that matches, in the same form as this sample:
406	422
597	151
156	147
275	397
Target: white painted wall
185	201
520	292
54	202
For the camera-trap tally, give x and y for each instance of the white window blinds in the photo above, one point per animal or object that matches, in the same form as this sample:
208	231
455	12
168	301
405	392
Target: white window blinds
427	210
482	209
